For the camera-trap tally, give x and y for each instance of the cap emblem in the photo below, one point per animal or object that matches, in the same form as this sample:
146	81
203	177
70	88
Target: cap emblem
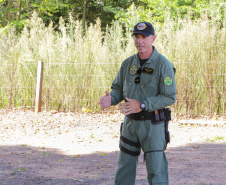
141	26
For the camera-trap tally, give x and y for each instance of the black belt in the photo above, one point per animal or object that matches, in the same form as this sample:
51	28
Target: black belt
142	116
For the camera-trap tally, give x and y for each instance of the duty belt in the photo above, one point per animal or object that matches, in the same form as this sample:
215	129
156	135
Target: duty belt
141	116
155	116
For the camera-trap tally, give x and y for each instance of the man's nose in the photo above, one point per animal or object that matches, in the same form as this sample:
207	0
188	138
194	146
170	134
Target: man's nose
138	40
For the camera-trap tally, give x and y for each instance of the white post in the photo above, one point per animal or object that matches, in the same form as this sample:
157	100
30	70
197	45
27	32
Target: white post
38	100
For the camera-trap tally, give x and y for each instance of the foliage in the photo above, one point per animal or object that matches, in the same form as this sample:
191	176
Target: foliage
79	66
159	10
15	12
217	138
127	12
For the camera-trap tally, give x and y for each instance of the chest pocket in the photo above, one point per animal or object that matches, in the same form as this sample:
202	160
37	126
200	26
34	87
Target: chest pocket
128	84
150	83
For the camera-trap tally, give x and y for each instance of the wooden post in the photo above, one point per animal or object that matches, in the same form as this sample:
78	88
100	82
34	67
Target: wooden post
38	101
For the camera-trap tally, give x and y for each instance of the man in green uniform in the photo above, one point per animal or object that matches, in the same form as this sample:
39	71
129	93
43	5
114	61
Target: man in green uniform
146	81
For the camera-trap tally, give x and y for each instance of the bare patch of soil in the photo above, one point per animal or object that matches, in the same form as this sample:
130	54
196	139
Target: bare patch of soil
73	148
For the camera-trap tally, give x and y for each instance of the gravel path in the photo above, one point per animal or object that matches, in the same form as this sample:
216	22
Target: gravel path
72	148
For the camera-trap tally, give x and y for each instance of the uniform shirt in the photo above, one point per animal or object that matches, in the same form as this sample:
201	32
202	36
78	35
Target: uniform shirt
157	87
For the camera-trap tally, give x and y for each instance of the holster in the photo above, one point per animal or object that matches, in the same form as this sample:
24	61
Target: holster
167	114
156	118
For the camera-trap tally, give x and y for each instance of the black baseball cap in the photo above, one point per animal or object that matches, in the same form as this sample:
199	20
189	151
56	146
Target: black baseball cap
144	28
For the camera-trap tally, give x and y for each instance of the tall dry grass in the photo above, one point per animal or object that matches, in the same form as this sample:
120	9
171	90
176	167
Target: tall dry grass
198	51
79	66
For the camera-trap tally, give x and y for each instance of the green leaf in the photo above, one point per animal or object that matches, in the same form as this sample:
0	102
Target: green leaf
22	169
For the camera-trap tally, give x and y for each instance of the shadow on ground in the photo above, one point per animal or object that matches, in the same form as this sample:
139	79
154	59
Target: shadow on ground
190	164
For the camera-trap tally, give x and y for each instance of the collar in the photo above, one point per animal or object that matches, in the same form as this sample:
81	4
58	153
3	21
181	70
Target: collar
153	56
151	59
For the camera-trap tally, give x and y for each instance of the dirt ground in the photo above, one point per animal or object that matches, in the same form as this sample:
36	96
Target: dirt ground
80	149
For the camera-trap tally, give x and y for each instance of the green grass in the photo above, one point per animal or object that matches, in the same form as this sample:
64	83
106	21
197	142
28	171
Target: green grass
214	139
92	136
18	169
78	67
201	182
45	154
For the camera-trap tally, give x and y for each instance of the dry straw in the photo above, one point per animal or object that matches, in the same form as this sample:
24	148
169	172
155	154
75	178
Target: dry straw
80	65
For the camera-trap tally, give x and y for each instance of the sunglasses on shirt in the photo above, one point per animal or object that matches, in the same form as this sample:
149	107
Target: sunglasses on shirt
137	79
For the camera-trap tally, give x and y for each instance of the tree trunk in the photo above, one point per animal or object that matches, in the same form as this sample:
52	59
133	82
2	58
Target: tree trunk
84	14
7	10
19	10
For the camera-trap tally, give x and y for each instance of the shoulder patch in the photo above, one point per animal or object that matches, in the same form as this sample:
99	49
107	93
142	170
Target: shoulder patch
168	80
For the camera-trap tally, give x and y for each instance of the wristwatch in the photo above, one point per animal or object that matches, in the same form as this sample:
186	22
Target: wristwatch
142	106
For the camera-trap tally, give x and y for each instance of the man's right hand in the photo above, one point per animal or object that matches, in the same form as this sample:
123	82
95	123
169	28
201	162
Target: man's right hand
105	101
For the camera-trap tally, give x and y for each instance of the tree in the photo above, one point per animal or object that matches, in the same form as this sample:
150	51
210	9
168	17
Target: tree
15	12
84	13
156	11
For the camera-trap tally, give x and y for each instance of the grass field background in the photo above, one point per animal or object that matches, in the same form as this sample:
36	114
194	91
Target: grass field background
79	66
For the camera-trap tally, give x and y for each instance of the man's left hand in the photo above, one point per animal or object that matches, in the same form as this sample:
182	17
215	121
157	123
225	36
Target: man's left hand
129	107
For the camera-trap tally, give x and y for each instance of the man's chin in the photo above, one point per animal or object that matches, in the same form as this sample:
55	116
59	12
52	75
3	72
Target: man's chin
141	50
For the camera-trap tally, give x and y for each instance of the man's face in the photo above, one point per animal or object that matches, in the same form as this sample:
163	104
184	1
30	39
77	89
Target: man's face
143	43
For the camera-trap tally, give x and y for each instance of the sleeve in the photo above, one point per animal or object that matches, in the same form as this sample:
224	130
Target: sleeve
117	88
167	90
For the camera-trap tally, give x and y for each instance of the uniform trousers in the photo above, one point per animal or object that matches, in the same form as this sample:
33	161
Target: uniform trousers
152	141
